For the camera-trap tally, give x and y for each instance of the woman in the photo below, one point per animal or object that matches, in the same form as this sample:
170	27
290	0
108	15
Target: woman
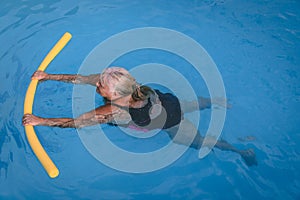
136	106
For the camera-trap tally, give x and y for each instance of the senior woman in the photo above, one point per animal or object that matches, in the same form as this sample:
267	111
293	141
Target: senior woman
135	106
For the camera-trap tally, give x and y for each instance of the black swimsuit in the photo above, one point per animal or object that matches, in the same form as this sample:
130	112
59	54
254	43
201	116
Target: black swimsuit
140	117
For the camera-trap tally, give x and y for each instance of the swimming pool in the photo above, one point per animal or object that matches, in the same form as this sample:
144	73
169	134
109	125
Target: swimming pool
255	46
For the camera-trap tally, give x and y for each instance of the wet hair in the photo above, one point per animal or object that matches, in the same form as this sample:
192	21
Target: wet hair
142	92
120	80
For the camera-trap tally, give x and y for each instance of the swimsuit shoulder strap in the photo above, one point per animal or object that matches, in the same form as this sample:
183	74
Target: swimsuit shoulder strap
129	108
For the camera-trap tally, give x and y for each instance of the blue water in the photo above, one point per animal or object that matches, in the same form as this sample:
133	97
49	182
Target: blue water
255	45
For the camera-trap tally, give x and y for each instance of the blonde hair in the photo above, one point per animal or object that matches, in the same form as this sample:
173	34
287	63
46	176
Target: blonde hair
120	80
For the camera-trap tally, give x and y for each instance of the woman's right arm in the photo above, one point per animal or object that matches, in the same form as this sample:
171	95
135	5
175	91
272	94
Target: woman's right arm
69	78
101	115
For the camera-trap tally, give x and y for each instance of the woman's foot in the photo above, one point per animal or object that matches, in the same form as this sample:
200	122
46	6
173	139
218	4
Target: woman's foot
249	157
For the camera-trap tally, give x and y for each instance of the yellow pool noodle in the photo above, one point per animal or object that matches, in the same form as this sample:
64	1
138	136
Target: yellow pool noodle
33	140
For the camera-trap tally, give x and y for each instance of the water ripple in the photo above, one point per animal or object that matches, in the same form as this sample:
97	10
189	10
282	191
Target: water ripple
73	11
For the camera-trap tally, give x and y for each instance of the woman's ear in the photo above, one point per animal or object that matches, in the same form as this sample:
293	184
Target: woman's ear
115	95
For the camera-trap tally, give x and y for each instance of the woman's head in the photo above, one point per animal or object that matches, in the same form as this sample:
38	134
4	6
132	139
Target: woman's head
118	82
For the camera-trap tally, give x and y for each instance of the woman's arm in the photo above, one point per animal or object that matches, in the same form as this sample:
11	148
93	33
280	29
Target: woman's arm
101	115
69	78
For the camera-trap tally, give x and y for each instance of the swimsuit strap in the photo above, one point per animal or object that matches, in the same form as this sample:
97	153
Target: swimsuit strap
127	108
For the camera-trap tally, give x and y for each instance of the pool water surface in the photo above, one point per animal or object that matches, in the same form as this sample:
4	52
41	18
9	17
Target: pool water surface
255	45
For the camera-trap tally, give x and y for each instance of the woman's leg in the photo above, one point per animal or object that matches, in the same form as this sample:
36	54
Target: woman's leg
203	103
187	134
191	106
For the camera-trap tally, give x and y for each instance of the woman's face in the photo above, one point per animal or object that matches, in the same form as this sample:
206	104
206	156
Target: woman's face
103	90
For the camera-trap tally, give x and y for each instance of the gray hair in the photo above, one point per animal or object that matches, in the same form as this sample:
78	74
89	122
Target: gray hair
120	80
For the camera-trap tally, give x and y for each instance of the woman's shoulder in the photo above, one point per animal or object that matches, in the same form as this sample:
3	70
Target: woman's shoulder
119	115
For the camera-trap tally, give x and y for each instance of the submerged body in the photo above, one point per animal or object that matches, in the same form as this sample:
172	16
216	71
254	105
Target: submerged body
140	117
131	105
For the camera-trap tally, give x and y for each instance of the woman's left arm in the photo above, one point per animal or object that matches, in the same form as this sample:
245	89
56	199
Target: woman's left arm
68	78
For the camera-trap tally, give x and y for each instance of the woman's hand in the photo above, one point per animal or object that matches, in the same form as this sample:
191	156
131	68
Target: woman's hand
29	119
40	75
